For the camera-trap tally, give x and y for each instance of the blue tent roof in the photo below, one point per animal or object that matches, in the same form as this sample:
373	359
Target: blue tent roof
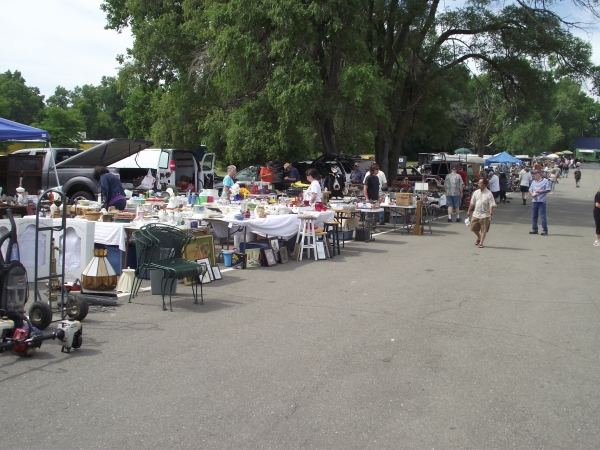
503	158
10	131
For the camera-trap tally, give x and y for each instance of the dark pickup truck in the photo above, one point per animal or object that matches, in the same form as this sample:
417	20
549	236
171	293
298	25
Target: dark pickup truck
72	169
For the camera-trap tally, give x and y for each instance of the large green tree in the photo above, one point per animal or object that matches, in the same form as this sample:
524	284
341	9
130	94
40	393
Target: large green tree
64	125
19	102
272	78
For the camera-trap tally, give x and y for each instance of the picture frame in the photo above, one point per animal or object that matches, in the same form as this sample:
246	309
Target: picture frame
321	250
200	247
209	275
297	252
274	244
252	257
269	256
283	255
217	273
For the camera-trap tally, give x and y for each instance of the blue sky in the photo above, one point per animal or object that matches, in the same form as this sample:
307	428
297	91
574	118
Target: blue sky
63	42
59	43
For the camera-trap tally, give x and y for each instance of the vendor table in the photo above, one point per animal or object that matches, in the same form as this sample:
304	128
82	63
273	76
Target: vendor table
395	211
282	225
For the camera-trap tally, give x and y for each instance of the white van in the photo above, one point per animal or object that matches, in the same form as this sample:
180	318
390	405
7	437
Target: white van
167	167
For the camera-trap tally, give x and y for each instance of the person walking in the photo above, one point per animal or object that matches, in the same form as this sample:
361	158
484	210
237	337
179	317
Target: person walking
503	179
553	179
525	180
494	185
482	204
538	189
597	217
453	183
577	175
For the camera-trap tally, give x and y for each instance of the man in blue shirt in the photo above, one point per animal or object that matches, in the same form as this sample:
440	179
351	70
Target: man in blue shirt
538	190
356	176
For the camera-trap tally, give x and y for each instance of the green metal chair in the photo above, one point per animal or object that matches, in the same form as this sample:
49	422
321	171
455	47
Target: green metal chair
161	249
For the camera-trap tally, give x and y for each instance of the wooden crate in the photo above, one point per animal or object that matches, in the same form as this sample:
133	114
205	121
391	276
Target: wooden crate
404	199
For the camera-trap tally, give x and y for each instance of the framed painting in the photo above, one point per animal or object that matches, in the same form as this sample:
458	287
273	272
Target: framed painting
274	244
200	247
283	255
217	273
208	275
269	256
253	257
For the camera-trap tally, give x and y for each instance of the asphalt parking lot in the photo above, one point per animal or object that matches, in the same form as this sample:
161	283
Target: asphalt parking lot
405	342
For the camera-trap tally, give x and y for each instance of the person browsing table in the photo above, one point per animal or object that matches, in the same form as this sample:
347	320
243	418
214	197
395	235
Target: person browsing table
267	172
111	188
313	193
228	181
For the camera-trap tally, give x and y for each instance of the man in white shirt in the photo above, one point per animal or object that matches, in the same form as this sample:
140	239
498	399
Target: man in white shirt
482	204
494	185
525	179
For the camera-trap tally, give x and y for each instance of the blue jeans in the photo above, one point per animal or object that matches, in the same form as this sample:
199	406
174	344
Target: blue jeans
538	207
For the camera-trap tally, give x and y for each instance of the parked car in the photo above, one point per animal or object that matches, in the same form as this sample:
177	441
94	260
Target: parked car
251	174
167	167
73	169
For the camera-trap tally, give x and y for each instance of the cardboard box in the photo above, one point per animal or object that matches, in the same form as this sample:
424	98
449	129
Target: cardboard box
404	199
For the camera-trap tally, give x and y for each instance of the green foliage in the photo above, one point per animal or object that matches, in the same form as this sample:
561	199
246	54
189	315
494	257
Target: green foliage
19	102
279	79
64	125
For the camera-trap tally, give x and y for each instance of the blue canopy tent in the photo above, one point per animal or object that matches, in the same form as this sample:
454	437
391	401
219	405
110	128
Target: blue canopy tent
503	158
12	131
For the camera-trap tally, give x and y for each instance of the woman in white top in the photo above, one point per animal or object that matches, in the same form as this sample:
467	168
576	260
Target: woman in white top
313	193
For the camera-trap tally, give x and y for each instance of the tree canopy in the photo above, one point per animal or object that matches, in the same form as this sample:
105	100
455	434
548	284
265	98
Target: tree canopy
275	79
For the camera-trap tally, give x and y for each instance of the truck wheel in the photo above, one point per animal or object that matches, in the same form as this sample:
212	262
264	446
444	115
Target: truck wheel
40	315
80	195
79	307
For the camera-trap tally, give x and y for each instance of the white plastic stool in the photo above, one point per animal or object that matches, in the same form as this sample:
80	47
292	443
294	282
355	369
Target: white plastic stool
126	280
306	236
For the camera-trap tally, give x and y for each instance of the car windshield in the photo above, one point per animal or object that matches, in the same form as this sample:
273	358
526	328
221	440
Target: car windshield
247	174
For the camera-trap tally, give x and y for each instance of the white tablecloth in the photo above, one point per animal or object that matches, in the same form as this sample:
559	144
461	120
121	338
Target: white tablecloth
107	233
111	233
285	225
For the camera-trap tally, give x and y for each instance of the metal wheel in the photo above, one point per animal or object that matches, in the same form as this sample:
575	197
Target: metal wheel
79	307
40	315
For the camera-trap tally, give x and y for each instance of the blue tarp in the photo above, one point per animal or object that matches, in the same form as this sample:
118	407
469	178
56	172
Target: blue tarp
12	131
502	158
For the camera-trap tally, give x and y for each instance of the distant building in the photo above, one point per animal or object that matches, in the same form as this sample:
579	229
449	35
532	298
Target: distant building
587	148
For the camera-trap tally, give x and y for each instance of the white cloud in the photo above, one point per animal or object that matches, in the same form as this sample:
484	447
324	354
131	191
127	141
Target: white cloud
59	43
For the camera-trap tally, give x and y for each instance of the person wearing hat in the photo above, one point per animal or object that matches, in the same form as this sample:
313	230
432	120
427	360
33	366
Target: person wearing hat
538	189
453	184
267	172
525	180
292	173
356	176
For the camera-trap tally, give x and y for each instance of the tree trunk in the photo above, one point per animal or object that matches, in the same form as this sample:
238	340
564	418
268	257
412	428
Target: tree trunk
326	129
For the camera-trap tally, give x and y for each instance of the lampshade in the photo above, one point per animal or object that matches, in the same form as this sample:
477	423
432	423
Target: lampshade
99	274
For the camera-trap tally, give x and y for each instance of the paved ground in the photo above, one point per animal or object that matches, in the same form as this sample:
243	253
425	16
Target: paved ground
405	342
